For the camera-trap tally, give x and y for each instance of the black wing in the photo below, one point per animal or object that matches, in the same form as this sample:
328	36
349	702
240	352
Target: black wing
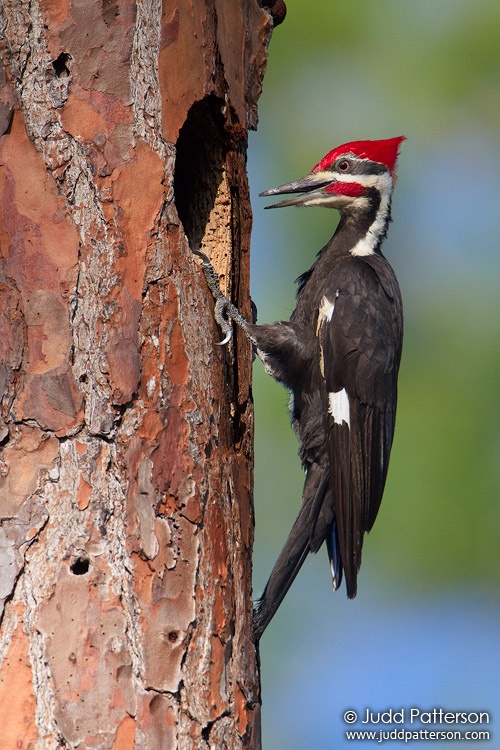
360	344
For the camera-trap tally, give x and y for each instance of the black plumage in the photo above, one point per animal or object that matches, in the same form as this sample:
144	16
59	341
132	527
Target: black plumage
339	355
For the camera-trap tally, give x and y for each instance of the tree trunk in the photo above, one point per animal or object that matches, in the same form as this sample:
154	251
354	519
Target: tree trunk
126	471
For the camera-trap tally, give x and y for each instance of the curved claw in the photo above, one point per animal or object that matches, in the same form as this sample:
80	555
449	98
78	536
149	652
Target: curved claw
221	307
225	340
224	308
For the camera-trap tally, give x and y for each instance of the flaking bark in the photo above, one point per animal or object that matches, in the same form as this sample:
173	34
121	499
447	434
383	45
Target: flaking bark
126	434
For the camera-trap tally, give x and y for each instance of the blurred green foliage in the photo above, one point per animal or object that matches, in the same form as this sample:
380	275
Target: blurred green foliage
339	71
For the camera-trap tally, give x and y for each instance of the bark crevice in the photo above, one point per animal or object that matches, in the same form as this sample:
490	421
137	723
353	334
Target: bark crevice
126	434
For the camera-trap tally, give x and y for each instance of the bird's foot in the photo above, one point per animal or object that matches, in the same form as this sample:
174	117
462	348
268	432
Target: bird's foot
224	308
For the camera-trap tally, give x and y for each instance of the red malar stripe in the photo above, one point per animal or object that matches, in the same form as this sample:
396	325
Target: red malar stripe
353	189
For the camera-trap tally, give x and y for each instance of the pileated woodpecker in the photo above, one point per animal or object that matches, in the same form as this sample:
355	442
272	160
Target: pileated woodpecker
339	356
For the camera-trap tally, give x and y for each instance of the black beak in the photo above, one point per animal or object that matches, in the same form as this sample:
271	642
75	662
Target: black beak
306	187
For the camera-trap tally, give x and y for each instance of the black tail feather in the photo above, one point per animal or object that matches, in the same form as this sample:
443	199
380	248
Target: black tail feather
295	550
332	544
282	576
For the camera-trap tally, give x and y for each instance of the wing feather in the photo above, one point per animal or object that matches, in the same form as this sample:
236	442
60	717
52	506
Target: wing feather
361	350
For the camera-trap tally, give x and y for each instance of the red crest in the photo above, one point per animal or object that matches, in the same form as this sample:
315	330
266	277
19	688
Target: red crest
384	152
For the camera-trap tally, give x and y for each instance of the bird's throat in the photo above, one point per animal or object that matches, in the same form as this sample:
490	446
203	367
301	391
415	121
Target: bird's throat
373	229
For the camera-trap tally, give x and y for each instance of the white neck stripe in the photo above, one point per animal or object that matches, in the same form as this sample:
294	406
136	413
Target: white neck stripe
367	244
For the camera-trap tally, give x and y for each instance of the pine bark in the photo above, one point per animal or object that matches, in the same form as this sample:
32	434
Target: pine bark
126	433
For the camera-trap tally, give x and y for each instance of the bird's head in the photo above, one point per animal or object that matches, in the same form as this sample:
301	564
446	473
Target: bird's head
345	176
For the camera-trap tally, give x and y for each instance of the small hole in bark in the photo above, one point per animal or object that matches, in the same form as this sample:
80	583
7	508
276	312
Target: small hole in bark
173	636
201	154
60	65
80	566
109	11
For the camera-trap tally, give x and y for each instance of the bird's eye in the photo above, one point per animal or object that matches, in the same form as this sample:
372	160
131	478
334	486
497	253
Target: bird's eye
344	165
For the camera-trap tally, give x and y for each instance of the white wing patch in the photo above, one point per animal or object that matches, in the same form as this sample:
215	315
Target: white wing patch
325	312
338	407
325	315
